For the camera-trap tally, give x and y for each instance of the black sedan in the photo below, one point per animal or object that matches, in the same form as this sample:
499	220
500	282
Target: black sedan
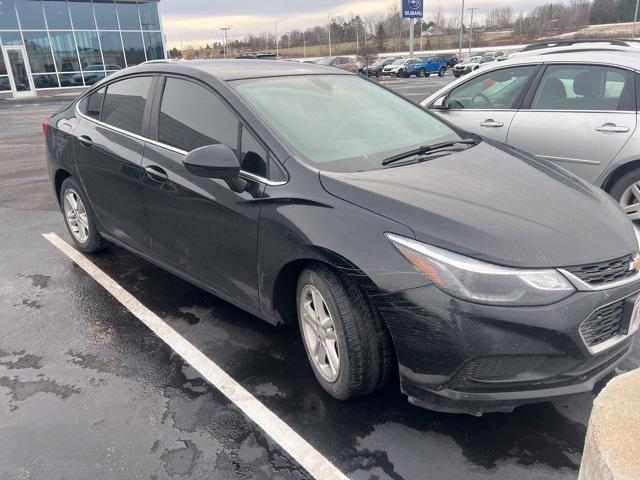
307	195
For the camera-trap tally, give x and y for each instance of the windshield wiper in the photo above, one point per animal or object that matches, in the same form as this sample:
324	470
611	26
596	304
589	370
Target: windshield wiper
429	148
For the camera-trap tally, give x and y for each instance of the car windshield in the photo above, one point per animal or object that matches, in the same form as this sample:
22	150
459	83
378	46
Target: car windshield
341	122
399	61
472	59
325	61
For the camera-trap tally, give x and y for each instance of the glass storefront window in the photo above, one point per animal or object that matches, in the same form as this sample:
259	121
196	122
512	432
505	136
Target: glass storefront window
4	83
112	49
39	52
30	14
70	79
82	15
105	14
153	42
88	49
149	16
57	14
8	19
3	67
128	16
91	77
10	38
64	51
133	47
45	81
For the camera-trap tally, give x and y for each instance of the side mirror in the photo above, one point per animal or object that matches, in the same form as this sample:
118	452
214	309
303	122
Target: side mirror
441	103
213	161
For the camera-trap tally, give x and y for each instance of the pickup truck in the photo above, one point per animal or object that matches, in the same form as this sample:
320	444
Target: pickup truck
427	66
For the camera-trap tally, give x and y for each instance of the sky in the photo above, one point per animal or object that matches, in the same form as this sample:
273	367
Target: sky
200	21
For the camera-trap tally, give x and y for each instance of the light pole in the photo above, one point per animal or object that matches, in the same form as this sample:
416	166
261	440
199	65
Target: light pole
329	17
304	46
277	39
471	27
225	47
461	30
635	19
181	48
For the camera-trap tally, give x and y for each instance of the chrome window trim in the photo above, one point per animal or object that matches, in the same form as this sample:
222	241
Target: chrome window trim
244	174
601	347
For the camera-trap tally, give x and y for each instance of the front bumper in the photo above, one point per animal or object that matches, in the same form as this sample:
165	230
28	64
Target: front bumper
457	356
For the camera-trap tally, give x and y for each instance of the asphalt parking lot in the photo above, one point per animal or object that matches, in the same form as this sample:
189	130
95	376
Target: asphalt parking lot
87	391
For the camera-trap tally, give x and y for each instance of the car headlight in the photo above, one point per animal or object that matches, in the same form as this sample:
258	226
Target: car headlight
481	282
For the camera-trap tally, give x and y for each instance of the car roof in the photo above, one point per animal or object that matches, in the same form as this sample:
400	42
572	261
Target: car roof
611	57
238	69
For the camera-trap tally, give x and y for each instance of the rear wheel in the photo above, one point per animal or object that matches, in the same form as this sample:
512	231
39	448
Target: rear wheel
456	74
627	192
421	73
347	344
79	218
441	72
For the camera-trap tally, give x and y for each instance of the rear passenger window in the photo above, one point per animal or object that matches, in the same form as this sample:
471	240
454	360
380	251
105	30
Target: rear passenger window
253	158
585	87
94	104
192	116
124	103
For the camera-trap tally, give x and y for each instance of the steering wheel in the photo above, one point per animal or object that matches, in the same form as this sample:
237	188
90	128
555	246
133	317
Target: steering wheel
482	96
365	115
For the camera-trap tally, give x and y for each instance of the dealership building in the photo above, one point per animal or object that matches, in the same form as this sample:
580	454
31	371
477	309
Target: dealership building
57	44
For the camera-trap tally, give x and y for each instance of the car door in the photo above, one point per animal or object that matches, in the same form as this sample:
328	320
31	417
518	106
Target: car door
201	226
580	117
487	103
108	147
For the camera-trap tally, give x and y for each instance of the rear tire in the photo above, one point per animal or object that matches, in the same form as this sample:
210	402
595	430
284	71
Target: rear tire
456	74
347	322
79	218
421	73
441	72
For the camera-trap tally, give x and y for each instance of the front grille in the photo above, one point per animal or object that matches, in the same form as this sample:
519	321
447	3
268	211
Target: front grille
603	324
604	272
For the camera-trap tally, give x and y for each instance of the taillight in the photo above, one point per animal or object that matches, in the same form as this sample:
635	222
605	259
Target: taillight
45	127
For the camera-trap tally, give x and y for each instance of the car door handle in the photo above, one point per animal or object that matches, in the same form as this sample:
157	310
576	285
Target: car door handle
85	141
156	173
490	122
612	128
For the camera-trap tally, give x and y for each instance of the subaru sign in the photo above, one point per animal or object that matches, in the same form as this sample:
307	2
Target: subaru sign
412	9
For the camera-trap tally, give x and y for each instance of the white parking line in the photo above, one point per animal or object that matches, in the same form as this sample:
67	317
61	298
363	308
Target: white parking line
296	446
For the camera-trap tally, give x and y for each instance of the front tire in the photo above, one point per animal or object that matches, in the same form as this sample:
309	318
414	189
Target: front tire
441	72
79	218
421	73
626	191
347	343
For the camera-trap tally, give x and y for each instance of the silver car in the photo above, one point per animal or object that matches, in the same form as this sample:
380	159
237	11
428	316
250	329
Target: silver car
577	110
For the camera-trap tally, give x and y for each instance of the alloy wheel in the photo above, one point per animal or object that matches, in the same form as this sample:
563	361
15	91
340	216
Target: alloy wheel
630	201
319	333
76	215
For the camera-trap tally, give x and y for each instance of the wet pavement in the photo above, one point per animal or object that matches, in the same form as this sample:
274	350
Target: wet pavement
88	392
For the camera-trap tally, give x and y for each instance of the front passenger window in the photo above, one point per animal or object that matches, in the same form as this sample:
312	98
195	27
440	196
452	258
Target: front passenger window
495	90
191	116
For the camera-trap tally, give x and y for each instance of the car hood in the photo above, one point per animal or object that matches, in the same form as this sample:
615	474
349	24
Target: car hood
495	204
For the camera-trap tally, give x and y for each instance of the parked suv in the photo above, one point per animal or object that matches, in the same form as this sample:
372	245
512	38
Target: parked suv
399	68
471	64
427	66
577	110
375	69
395	241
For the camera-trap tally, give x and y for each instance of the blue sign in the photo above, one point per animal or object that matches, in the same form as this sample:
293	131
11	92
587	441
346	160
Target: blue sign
412	8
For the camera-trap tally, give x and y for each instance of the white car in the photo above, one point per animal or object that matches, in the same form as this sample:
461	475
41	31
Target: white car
398	68
576	109
471	64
